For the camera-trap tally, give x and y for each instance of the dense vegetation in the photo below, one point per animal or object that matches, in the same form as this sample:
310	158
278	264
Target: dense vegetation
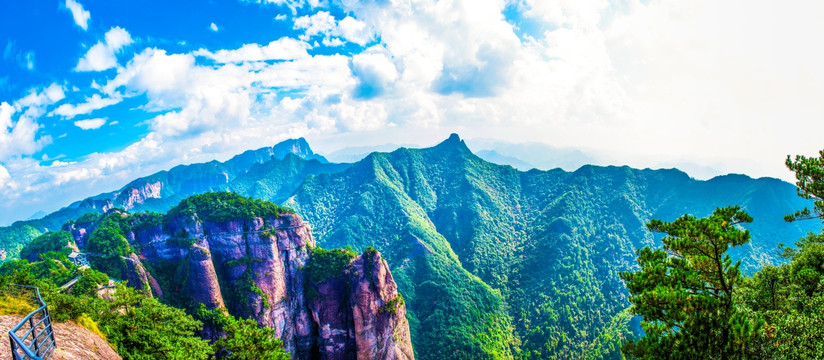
494	262
223	206
696	304
684	291
59	241
137	326
244	339
498	263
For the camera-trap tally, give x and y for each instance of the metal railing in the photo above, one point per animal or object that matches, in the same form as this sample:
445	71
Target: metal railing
37	341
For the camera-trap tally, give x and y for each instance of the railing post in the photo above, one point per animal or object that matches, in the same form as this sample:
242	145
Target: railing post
13	351
34	338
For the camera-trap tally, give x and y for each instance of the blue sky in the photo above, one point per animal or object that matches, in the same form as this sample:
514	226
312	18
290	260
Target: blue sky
95	93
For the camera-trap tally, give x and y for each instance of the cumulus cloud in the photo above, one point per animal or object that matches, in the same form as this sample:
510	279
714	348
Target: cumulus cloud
324	24
17	137
375	72
4	177
156	72
616	77
101	56
281	49
213	27
92	103
79	14
354	30
90	124
319	23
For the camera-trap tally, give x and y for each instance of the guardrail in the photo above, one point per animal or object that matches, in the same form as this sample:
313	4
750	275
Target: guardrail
38	341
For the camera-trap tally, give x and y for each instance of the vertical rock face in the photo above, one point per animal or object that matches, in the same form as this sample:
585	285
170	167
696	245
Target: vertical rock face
255	268
378	311
360	314
138	194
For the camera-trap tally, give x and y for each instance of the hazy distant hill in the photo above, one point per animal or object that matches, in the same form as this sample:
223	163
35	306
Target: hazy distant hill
525	156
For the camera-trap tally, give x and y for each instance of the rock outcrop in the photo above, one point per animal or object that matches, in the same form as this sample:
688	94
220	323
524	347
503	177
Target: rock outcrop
360	313
137	194
74	342
256	269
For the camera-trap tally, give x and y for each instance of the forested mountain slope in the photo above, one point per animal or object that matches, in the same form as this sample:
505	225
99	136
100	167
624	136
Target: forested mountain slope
498	263
549	244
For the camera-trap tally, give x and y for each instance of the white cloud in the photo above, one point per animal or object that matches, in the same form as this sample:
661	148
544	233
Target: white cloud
155	72
213	27
29	60
80	15
374	70
18	137
323	23
280	17
90	124
50	95
649	82
4	176
333	42
91	103
101	56
281	49
319	23
353	30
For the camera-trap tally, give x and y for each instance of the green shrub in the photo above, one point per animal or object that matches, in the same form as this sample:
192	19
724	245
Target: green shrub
50	241
223	206
392	306
245	339
324	264
88	218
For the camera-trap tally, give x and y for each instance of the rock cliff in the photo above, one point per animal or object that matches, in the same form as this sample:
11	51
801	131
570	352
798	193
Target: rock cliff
255	268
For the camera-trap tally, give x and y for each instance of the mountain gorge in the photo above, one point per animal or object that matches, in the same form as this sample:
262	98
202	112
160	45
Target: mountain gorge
492	262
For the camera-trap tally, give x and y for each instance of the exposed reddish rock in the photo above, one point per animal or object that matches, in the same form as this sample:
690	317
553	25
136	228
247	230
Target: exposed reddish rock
255	269
74	342
378	311
360	314
137	276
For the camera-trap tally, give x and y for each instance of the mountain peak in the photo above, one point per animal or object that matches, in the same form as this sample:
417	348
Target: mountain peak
453	142
299	147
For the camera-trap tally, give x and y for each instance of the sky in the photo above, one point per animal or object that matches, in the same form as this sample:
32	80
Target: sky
96	93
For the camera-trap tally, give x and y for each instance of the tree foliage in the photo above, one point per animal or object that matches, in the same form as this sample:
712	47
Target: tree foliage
243	339
809	175
685	291
222	206
790	297
51	241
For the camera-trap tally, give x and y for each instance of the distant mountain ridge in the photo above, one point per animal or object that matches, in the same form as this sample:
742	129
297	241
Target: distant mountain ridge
162	190
493	262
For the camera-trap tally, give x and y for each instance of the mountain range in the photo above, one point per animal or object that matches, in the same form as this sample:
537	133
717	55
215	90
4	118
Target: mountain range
493	262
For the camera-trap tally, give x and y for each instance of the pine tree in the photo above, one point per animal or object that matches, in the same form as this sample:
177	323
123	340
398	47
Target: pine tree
809	175
684	291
